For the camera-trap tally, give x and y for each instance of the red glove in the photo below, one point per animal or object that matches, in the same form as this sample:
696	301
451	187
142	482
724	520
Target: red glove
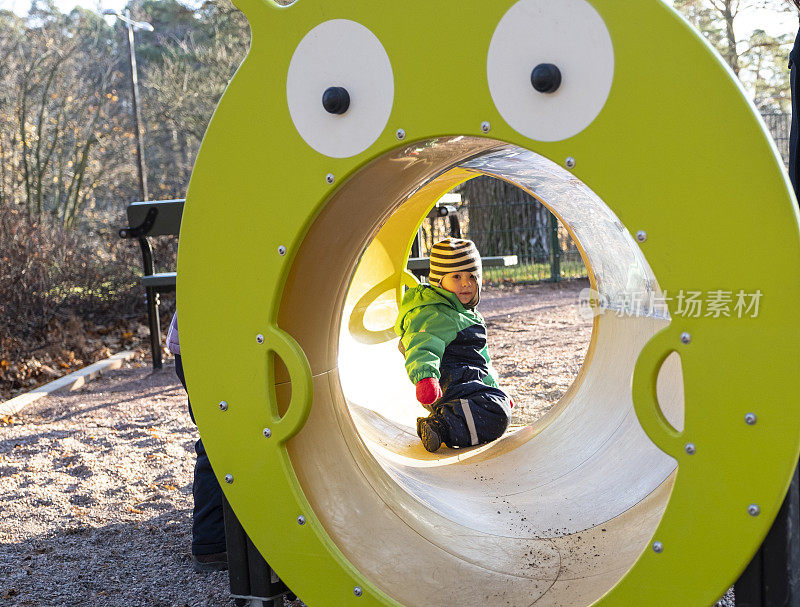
428	390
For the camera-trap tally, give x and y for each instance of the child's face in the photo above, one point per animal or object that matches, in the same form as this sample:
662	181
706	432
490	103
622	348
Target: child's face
463	284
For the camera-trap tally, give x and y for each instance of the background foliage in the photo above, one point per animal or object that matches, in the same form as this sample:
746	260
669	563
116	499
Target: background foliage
68	285
757	58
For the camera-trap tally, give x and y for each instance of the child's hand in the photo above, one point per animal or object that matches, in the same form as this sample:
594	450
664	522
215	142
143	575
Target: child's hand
428	390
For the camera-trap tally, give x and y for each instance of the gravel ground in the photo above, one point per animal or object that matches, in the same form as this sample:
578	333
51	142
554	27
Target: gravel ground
95	485
537	341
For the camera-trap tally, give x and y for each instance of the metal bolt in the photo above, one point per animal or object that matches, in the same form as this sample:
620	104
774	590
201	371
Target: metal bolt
753	510
330	178
267	432
486	127
686	338
301	520
281	250
358	591
690	448
570	162
658	547
750	419
260	338
400	134
229	478
223	405
641	236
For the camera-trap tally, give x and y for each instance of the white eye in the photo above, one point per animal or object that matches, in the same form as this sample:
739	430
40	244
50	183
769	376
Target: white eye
531	38
344	62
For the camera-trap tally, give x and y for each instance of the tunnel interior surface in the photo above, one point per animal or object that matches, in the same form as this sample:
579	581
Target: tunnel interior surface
561	508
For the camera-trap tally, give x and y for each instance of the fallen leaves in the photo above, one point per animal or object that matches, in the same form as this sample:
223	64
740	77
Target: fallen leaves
69	345
48	371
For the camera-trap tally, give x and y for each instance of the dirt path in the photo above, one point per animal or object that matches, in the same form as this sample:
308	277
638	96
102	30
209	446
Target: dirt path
537	341
95	486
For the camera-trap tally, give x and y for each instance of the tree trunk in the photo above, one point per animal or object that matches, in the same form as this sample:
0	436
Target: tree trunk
729	9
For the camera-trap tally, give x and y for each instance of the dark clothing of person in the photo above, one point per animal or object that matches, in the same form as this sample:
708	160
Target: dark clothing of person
478	419
463	370
794	153
442	339
473	412
208	525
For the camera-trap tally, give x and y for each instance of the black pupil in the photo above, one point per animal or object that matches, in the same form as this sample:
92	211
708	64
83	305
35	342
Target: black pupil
546	78
336	100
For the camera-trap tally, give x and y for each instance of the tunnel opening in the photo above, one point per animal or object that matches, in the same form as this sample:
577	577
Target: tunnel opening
559	508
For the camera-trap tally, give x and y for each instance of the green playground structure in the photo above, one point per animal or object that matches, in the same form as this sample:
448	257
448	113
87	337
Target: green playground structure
657	476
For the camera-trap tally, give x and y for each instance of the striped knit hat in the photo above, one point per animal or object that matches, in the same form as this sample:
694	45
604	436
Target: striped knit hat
455	255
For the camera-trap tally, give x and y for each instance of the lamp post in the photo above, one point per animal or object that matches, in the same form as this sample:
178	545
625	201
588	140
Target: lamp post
137	119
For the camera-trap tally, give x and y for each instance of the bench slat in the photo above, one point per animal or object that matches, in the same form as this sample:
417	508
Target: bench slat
168	220
424	263
164	279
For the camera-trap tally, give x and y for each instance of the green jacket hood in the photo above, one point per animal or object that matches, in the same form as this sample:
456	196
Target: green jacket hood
429	320
426	295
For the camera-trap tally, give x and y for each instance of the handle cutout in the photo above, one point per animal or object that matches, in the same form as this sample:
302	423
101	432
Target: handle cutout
645	392
669	391
287	420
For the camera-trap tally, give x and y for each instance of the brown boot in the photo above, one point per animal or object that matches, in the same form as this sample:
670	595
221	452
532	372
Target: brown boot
431	432
204	563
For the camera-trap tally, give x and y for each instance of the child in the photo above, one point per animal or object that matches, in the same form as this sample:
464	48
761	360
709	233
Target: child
208	527
443	338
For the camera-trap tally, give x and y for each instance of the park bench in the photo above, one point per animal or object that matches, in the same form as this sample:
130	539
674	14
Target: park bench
446	210
146	220
163	218
420	266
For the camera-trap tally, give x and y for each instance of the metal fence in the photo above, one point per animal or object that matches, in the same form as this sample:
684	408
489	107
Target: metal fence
522	226
544	249
779	126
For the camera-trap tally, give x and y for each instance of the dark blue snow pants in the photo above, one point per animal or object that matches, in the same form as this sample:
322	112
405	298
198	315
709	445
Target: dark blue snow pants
475	419
208	526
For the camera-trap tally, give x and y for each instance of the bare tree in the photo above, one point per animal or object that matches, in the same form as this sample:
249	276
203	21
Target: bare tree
59	94
758	59
184	86
66	133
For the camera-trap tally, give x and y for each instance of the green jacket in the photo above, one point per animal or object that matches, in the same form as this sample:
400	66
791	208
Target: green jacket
445	340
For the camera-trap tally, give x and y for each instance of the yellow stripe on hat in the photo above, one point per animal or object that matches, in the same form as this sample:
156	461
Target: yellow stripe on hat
453	255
